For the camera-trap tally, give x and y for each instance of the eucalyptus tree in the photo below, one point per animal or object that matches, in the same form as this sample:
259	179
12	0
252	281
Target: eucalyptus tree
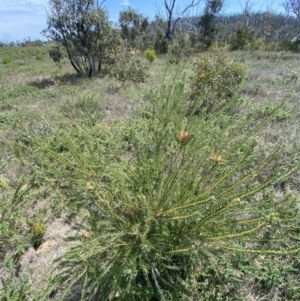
133	25
247	7
4	39
85	32
158	27
207	21
292	7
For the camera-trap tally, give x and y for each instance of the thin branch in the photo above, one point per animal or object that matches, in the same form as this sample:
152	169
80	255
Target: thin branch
156	283
191	5
170	9
102	3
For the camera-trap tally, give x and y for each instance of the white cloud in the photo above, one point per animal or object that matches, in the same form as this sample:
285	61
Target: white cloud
22	18
36	6
22	24
125	3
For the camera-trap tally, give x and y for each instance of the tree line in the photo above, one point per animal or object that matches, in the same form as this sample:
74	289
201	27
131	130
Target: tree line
81	31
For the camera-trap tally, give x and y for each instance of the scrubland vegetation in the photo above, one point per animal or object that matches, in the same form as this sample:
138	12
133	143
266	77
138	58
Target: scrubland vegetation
159	176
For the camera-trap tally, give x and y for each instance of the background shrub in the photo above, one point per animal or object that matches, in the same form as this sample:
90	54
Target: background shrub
216	79
241	37
150	55
128	68
287	44
180	47
7	60
39	57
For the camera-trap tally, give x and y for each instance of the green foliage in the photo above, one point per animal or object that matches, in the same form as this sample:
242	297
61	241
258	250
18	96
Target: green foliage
150	55
159	39
87	109
133	26
233	276
7	60
256	44
76	110
85	33
286	44
14	288
215	79
241	37
269	273
217	279
127	68
99	146
271	46
207	22
11	220
185	191
180	47
39	57
17	91
266	110
21	53
55	52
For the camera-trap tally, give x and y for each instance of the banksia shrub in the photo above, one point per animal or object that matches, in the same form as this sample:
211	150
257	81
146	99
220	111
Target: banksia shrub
150	55
186	192
215	79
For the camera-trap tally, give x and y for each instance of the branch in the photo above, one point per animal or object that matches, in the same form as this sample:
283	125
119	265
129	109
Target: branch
101	2
170	9
156	283
295	8
191	5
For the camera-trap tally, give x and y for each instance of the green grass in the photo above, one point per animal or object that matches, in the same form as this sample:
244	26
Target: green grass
106	123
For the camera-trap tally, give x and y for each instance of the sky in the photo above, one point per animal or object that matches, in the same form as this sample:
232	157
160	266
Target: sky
20	19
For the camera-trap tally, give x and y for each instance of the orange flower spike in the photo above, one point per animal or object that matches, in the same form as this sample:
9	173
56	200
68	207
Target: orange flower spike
218	160
182	136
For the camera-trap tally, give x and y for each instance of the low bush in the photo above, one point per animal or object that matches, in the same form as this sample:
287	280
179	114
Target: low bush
87	109
150	55
241	37
180	47
256	44
271	46
39	57
215	79
286	44
7	60
127	68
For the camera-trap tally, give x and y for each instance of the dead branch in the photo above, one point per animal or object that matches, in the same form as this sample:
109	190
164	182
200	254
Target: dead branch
170	10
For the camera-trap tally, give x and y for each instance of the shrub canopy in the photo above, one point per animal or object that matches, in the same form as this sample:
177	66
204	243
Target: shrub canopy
84	31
